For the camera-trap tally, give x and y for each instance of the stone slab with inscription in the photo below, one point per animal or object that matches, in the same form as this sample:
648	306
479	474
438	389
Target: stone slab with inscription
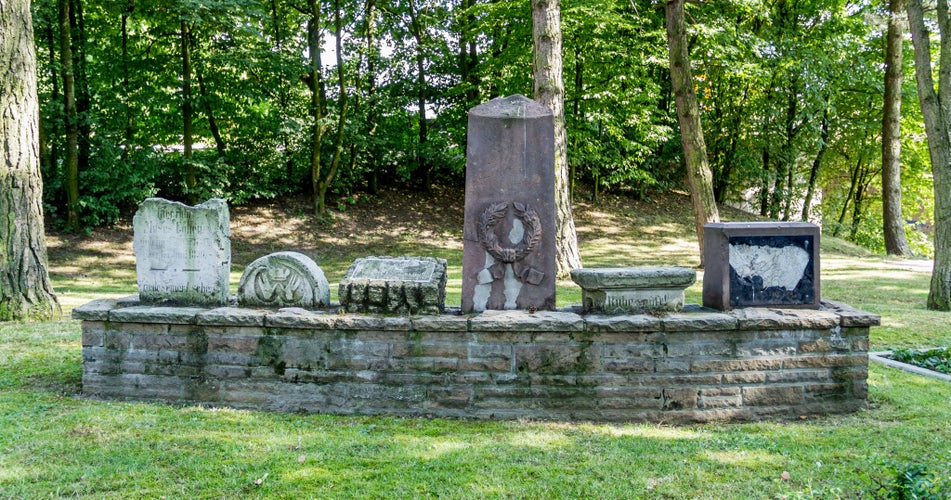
509	227
284	279
402	285
182	253
761	264
633	290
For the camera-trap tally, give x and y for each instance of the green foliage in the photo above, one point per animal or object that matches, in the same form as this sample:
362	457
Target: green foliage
938	360
914	481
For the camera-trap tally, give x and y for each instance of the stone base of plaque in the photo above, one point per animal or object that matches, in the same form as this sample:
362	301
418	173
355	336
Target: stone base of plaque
625	290
399	285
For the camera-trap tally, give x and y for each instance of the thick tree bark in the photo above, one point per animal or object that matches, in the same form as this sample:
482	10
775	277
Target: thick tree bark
699	176
71	160
936	110
549	89
893	222
25	288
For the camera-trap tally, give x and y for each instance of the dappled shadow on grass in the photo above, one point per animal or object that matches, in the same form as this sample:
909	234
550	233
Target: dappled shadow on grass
55	445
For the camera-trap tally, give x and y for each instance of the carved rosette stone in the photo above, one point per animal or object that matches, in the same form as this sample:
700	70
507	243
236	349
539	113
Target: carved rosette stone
284	279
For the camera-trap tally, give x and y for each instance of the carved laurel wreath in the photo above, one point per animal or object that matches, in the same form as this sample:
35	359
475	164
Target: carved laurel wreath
495	213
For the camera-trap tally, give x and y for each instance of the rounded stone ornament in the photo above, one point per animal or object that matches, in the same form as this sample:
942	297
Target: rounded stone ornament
284	279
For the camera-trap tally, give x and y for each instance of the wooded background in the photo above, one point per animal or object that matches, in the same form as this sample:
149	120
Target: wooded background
190	99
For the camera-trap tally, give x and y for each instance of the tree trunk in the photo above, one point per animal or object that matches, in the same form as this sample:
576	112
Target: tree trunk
83	104
893	222
72	125
817	163
126	88
341	99
422	166
699	176
191	178
549	89
25	288
220	145
316	105
935	110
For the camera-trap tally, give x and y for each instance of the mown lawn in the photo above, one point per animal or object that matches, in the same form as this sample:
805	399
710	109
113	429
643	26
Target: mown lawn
56	442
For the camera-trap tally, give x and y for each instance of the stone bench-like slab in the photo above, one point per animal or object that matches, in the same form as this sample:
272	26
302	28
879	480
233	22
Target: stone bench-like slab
626	290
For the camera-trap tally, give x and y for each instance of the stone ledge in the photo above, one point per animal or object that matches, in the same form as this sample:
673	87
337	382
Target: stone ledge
850	316
692	319
157	314
521	321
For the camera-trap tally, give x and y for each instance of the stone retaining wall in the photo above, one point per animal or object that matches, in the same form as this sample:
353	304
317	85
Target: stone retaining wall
691	366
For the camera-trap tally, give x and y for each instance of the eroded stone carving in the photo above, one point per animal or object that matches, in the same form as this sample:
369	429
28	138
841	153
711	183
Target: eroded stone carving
406	285
284	279
183	254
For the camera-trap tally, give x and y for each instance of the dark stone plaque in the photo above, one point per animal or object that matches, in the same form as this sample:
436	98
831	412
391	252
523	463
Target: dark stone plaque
509	232
761	264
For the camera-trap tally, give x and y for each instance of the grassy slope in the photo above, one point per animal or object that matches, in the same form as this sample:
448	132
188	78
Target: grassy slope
54	442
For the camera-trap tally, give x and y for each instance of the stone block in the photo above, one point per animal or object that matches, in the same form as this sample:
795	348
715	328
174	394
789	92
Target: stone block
521	321
402	285
757	264
231	316
680	399
633	290
97	310
156	315
621	323
183	254
773	395
296	317
784	319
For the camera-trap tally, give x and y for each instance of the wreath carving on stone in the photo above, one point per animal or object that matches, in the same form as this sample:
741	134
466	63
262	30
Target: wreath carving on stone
490	218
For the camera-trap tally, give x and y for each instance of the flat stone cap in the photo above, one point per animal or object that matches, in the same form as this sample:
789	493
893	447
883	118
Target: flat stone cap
513	106
633	277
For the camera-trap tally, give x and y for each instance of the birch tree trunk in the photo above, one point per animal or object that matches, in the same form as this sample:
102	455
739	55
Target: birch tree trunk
936	110
893	222
25	288
550	91
699	176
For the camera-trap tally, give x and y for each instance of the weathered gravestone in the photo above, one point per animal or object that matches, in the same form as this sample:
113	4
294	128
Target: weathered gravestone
509	232
403	285
761	264
633	290
284	279
182	253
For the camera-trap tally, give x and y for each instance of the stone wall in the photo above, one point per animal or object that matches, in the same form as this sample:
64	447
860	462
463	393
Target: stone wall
691	366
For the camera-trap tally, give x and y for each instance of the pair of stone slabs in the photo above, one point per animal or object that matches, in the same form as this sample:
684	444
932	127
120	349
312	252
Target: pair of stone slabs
183	257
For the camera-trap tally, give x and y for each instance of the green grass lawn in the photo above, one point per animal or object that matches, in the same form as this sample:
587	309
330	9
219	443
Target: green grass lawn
55	442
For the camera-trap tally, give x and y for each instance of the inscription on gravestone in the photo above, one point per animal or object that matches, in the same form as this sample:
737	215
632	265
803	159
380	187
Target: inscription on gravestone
509	232
183	254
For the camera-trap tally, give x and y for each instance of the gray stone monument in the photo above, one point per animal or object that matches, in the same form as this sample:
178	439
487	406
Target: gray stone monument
284	279
401	285
182	253
509	232
633	290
